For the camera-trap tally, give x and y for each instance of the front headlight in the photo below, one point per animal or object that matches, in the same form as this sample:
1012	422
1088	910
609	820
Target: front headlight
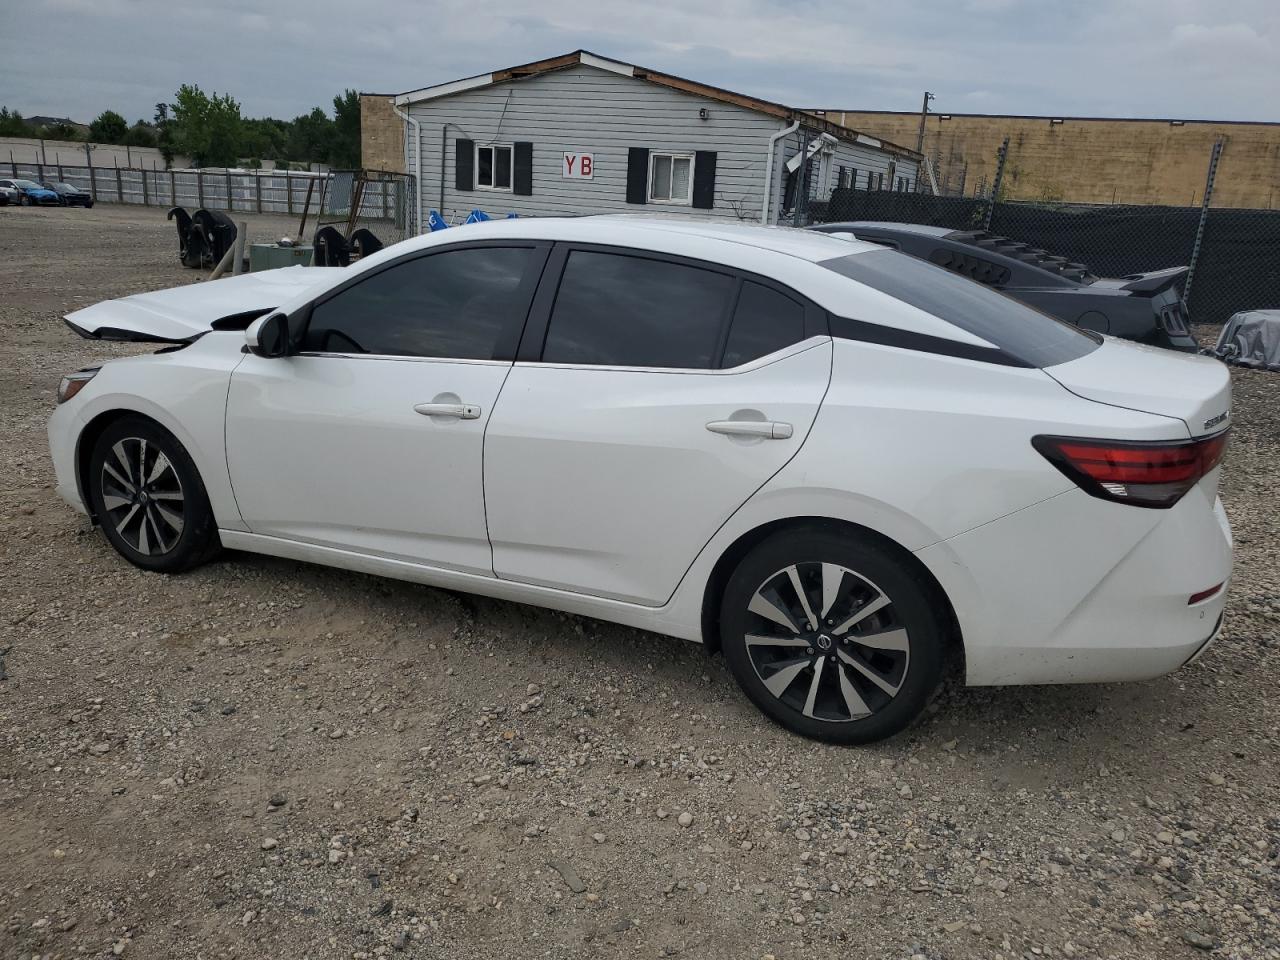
73	383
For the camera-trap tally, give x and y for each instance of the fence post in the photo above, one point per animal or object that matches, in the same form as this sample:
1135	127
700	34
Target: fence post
40	173
257	191
1001	156
119	187
230	203
1214	155
93	178
200	188
802	180
60	176
146	201
288	189
173	189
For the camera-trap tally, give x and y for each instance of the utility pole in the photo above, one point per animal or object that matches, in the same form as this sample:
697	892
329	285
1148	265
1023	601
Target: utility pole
924	112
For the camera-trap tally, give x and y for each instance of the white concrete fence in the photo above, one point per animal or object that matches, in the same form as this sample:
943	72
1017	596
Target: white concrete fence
250	191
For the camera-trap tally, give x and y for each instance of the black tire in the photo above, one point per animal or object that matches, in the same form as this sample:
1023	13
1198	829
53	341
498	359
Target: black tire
137	506
891	603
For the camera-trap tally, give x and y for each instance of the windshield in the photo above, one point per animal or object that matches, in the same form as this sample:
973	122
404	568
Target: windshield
1017	330
28	185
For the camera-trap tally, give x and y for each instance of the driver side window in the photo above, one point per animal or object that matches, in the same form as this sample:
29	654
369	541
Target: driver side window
454	304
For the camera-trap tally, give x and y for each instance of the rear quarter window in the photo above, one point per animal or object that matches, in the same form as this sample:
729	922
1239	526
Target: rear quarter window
1020	333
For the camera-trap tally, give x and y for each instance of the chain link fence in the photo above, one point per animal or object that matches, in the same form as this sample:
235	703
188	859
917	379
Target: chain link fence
384	204
1233	253
373	200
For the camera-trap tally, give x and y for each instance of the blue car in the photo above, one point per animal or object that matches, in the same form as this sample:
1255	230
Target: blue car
31	193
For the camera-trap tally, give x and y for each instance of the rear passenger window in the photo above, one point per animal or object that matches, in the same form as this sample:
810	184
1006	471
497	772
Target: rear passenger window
619	310
763	322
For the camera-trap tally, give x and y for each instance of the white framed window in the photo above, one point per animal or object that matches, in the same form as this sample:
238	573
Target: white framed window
493	166
671	178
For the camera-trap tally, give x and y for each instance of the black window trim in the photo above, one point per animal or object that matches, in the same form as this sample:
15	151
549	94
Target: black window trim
505	348
533	342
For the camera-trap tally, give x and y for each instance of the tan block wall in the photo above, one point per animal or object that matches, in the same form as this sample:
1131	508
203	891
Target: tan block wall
1096	161
381	134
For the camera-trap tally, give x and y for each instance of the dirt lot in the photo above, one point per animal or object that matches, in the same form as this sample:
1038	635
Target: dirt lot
265	759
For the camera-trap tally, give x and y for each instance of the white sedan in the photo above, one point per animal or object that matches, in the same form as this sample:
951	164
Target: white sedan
841	466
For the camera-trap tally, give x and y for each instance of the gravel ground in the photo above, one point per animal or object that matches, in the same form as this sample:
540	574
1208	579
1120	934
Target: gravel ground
267	759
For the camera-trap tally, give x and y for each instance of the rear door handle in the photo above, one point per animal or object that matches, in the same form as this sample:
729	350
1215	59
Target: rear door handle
463	411
768	429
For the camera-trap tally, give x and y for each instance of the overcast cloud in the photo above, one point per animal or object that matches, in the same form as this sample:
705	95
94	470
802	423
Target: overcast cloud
1194	59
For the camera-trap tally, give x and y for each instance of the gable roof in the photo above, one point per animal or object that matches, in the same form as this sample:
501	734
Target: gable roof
587	59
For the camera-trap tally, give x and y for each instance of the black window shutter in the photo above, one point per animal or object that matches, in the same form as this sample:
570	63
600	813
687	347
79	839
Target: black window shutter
464	164
522	174
704	179
637	175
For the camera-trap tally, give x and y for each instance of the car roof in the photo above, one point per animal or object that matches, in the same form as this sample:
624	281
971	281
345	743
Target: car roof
649	231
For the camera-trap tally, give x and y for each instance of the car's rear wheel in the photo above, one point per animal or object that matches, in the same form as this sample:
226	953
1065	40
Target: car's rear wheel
148	497
833	637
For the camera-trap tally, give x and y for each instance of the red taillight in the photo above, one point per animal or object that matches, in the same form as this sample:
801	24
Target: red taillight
1141	473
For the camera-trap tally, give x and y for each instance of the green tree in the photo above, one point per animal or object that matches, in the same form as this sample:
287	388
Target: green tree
109	127
344	150
60	131
141	134
164	133
12	124
206	128
264	139
310	137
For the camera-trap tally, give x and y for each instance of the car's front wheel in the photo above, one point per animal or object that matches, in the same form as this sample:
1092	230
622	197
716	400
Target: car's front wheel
834	637
148	497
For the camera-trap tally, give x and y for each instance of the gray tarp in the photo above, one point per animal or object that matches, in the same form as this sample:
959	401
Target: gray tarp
1251	338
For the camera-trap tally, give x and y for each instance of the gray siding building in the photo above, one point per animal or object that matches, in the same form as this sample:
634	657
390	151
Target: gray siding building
581	134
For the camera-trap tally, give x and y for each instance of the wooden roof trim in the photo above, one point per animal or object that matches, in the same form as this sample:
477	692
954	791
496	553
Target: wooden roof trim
538	67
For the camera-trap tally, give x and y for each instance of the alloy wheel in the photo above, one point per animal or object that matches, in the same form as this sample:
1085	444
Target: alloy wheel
827	642
142	496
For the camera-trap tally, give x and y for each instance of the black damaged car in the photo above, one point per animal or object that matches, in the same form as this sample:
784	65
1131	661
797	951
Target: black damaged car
71	196
1146	307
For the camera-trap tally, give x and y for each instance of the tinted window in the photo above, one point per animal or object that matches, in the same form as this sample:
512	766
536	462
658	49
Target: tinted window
1024	334
452	304
763	322
619	310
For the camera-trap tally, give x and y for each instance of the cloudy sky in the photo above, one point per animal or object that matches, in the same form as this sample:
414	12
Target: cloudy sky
1212	59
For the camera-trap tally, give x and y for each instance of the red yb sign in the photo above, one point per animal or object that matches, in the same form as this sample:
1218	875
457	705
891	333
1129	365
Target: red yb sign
578	166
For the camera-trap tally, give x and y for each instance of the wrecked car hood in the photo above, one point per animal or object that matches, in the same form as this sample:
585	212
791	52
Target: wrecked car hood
180	314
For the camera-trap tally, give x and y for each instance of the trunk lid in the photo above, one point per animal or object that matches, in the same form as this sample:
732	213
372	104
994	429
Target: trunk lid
1194	389
180	314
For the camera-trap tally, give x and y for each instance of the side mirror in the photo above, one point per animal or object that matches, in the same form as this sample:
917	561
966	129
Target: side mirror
268	336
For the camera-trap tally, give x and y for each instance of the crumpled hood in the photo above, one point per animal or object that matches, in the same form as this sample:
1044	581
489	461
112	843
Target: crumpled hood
180	314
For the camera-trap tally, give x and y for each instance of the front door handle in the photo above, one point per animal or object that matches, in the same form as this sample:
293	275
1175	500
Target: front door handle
463	411
768	429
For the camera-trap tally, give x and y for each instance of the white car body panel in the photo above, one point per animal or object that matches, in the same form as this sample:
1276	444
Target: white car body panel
568	444
1065	612
329	450
180	313
1196	390
606	496
185	392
